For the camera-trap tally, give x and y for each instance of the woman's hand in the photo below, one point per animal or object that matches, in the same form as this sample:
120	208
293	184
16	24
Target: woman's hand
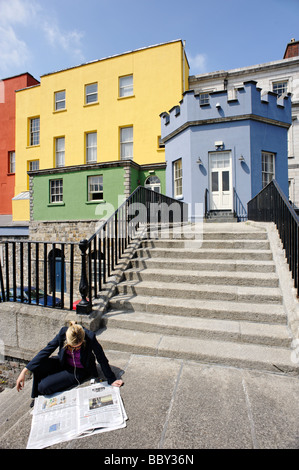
21	380
117	383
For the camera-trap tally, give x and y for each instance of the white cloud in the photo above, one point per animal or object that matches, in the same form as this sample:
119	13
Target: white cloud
197	63
69	41
17	11
13	51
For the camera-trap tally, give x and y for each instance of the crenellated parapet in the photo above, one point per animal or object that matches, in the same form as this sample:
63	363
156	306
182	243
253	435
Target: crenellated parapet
244	102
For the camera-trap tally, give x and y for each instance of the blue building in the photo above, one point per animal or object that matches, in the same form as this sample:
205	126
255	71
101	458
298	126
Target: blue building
221	151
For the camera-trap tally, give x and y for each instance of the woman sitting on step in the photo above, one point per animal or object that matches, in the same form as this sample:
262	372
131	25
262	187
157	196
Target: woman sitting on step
74	363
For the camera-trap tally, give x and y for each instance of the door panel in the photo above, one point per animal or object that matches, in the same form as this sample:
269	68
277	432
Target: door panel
220	181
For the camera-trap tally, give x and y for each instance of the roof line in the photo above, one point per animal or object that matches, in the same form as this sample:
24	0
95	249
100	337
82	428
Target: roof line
113	56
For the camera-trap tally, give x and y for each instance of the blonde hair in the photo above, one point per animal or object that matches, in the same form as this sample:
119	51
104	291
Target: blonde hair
74	334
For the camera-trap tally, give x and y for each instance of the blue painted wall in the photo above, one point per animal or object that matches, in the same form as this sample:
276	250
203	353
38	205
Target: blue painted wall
247	125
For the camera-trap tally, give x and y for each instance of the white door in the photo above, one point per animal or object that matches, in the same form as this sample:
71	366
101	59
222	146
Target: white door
220	181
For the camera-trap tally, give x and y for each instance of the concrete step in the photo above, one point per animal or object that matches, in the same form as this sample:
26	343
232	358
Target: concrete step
228	353
201	232
206	244
202	291
201	328
203	277
255	266
237	235
261	255
217	309
15	405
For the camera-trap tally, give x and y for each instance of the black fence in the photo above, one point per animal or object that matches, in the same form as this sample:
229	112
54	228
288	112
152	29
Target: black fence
39	273
71	275
271	205
145	210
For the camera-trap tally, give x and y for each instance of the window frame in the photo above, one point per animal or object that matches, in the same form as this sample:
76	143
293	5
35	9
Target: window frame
59	152
56	101
124	144
266	175
30	162
34	134
11	162
58	183
86	94
89	148
283	84
178	178
122	89
204	98
92	192
153	182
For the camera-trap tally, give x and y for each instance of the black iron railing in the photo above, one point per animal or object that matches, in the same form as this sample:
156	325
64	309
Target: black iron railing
239	209
271	205
207	203
143	210
39	273
70	275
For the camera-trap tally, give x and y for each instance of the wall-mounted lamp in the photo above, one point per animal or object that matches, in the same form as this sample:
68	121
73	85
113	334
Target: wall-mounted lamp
199	161
219	145
241	159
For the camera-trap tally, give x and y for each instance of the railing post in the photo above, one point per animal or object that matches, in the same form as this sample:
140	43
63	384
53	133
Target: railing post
84	306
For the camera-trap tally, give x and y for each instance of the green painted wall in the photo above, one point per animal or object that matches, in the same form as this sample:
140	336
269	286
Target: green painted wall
75	204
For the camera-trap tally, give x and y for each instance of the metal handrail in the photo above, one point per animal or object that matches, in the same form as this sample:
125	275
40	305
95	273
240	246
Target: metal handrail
104	249
271	205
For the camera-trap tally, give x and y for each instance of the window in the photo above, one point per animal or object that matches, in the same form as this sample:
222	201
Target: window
280	87
268	172
31	166
34	131
91	93
153	183
12	162
126	143
95	188
91	147
126	86
161	144
56	191
59	100
204	98
34	165
178	178
59	152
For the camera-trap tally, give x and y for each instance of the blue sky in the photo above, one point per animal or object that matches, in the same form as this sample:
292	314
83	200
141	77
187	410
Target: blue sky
42	36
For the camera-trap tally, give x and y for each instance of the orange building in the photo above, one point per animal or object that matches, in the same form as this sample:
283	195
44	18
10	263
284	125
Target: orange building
8	86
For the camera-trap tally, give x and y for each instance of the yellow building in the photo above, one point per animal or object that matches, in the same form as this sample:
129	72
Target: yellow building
102	112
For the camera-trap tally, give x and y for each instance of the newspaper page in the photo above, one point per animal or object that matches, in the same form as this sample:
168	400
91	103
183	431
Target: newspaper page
75	413
99	408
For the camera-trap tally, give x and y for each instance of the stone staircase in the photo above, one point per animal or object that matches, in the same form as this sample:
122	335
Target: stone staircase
215	300
221	217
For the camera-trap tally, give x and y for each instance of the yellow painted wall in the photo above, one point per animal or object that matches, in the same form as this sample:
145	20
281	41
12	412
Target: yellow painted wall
158	76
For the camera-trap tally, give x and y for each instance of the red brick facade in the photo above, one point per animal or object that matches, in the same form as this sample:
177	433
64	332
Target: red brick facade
292	50
7	135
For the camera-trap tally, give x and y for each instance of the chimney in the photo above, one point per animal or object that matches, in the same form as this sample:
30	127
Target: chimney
292	49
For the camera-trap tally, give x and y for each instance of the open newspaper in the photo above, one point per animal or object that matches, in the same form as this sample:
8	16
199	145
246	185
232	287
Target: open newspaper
76	413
